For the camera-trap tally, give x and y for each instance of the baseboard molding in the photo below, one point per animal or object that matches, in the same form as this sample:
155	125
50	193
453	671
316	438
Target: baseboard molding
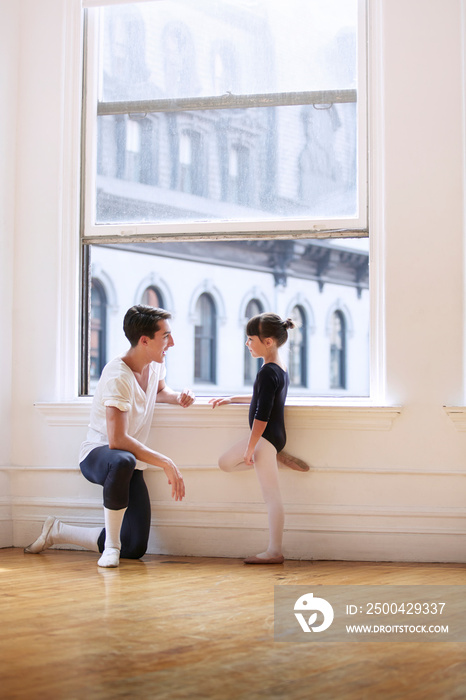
354	533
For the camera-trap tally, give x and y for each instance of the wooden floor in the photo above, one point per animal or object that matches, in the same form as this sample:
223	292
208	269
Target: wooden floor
178	627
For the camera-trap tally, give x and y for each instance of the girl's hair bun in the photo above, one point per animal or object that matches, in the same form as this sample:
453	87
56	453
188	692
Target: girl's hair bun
289	323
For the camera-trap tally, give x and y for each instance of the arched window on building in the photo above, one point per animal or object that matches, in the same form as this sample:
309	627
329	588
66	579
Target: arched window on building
149	162
251	365
133	150
338	351
224	69
152	296
98	354
239	175
297	363
205	340
136	158
191	163
179	60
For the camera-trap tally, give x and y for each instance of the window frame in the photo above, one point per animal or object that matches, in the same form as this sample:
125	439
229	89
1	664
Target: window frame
305	228
107	233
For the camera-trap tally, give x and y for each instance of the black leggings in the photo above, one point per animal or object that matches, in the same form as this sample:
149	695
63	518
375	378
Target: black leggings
124	487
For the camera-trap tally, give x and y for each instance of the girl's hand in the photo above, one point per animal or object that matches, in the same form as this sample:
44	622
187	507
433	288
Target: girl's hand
249	457
220	401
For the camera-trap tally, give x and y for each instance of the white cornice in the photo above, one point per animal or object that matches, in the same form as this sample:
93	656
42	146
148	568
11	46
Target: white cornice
202	415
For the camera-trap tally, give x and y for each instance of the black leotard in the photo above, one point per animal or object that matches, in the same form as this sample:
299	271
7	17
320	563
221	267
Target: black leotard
268	403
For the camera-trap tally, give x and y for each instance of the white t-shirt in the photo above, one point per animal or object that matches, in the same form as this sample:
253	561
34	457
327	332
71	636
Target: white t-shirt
118	387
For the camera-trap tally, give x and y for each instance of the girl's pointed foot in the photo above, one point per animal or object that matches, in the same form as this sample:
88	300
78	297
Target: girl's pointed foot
265	558
292	462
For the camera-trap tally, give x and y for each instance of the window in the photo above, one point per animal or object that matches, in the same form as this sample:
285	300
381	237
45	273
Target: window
224	69
251	365
205	336
191	163
133	151
98	357
248	178
297	363
239	185
338	351
153	297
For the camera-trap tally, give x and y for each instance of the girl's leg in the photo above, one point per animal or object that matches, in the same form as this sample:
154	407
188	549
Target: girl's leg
265	464
232	459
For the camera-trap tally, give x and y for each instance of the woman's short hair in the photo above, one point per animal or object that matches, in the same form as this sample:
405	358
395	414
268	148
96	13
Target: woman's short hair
143	320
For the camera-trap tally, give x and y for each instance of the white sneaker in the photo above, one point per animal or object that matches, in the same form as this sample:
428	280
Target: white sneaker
110	558
44	541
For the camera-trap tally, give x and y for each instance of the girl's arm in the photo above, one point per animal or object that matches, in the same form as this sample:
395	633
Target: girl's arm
257	431
222	401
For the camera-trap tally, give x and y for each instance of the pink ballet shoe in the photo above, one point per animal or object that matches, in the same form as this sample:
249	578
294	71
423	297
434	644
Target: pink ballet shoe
270	560
292	462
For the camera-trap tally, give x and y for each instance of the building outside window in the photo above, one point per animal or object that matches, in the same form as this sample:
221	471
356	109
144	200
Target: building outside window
133	151
152	296
205	335
297	358
251	365
191	163
338	351
98	356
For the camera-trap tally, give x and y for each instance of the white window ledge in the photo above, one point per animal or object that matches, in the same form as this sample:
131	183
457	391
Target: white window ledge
299	415
457	415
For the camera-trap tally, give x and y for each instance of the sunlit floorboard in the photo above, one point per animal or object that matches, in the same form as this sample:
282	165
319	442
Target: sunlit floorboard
170	627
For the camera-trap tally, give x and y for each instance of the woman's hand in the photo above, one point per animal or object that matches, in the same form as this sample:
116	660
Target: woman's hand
185	398
175	479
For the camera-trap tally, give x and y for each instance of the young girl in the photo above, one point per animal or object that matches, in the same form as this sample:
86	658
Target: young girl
265	334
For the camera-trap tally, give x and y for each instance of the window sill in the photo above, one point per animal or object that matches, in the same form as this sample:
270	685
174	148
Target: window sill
457	415
328	414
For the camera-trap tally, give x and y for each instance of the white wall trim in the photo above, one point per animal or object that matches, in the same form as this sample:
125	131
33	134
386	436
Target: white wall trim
386	471
457	415
311	532
201	415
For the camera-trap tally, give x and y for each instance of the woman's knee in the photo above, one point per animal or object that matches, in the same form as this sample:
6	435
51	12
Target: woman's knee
124	462
117	483
134	544
135	552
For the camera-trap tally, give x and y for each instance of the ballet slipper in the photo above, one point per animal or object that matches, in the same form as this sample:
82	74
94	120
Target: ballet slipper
292	462
110	558
270	560
44	541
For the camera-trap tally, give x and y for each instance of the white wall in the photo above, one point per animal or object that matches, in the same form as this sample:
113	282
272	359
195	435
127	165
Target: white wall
384	486
8	99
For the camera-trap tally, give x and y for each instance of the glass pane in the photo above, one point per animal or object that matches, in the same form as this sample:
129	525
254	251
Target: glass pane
209	287
182	48
268	163
249	164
